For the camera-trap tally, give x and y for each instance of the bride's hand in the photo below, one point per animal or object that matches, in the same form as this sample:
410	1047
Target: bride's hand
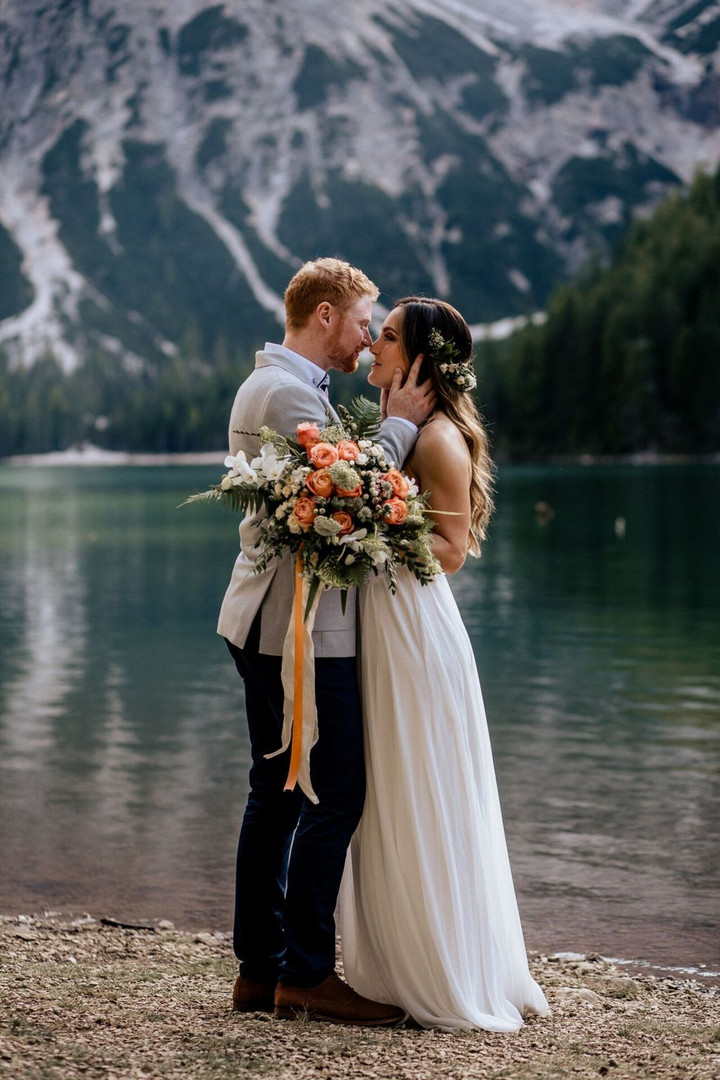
409	400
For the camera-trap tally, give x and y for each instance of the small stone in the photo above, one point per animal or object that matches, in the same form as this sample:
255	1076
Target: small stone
205	938
26	933
165	924
579	993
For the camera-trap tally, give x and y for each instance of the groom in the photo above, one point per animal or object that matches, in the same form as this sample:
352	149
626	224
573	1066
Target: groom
291	853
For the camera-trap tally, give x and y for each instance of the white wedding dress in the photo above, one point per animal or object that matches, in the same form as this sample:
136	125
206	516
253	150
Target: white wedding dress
427	911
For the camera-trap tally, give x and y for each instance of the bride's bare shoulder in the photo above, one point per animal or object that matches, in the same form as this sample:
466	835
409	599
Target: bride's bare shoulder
441	435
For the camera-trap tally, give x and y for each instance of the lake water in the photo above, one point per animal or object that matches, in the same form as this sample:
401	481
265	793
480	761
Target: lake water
123	754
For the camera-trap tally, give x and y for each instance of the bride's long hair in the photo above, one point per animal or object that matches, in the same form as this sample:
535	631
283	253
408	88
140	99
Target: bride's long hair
420	315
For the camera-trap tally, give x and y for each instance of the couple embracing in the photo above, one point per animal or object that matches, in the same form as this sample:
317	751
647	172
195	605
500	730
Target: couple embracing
404	853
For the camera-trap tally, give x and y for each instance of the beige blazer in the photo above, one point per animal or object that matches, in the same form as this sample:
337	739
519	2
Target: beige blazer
276	395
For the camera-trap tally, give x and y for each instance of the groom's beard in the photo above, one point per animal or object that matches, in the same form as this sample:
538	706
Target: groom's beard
340	359
343	362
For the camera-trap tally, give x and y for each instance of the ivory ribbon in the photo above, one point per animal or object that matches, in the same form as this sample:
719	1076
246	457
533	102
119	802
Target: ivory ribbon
300	725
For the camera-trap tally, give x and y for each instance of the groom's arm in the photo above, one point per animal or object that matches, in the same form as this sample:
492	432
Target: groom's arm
397	438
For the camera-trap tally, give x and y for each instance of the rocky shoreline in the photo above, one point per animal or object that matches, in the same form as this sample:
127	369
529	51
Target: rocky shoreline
85	997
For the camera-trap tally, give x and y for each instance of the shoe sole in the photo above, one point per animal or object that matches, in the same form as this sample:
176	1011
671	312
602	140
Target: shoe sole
307	1014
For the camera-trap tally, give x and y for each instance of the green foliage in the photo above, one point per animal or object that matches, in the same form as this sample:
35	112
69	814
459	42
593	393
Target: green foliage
629	358
550	74
318	74
362	418
432	49
214	141
691	31
180	405
16	292
358	223
626	175
164	271
210	30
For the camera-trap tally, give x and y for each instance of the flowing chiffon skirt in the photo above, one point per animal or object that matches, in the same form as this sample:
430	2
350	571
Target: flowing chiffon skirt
427	912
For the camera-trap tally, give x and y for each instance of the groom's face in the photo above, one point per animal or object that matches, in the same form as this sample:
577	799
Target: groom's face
349	334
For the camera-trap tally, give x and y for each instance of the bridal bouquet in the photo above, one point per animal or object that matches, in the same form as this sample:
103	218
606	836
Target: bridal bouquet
337	505
332	496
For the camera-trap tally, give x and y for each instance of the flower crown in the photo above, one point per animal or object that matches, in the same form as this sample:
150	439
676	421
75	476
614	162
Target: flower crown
457	372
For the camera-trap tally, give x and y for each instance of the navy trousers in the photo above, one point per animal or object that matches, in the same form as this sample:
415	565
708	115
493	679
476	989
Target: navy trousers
291	852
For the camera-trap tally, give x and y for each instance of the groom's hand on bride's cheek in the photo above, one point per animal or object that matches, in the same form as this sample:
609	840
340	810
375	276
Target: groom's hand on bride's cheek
410	400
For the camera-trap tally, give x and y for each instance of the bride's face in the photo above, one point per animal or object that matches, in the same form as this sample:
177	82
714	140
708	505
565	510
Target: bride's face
388	353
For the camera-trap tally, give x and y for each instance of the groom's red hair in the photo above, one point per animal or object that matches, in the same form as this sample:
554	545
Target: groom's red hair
331	280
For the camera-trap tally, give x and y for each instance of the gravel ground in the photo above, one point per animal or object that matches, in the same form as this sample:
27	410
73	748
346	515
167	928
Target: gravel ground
86	999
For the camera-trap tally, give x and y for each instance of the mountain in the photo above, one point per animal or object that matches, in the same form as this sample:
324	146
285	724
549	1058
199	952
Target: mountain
164	167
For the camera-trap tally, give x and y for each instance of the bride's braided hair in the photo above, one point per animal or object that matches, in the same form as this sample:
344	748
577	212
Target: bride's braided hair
421	315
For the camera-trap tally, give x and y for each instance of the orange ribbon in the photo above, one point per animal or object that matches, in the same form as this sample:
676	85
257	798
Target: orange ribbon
297	721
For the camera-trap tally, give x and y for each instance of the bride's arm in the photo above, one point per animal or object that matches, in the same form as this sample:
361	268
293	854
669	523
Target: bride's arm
441	463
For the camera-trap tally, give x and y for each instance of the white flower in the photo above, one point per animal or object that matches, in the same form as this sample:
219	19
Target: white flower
353	537
325	526
365	444
239	466
379	556
226	483
268	463
361	459
349	559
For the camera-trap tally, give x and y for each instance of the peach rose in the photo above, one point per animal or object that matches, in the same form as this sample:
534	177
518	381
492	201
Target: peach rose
320	483
348	450
398	483
395	511
304	512
322	455
308	434
344	493
343	520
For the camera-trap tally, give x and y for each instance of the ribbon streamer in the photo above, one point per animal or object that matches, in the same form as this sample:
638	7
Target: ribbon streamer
300	725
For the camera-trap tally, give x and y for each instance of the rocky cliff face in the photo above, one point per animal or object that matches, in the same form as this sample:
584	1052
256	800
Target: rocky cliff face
164	166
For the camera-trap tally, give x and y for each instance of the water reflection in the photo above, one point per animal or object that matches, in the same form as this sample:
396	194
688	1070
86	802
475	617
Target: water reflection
123	755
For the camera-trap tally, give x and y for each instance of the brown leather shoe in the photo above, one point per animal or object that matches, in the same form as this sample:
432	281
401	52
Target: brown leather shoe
334	1001
251	996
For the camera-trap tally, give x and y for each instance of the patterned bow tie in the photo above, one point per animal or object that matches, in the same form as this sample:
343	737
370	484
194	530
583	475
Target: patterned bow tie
324	384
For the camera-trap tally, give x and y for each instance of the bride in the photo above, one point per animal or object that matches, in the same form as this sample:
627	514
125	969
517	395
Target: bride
427	915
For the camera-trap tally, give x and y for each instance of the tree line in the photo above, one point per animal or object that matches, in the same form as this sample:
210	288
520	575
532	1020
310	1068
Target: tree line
628	358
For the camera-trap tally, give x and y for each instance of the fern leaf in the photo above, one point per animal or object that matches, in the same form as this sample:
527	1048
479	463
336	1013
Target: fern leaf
367	417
